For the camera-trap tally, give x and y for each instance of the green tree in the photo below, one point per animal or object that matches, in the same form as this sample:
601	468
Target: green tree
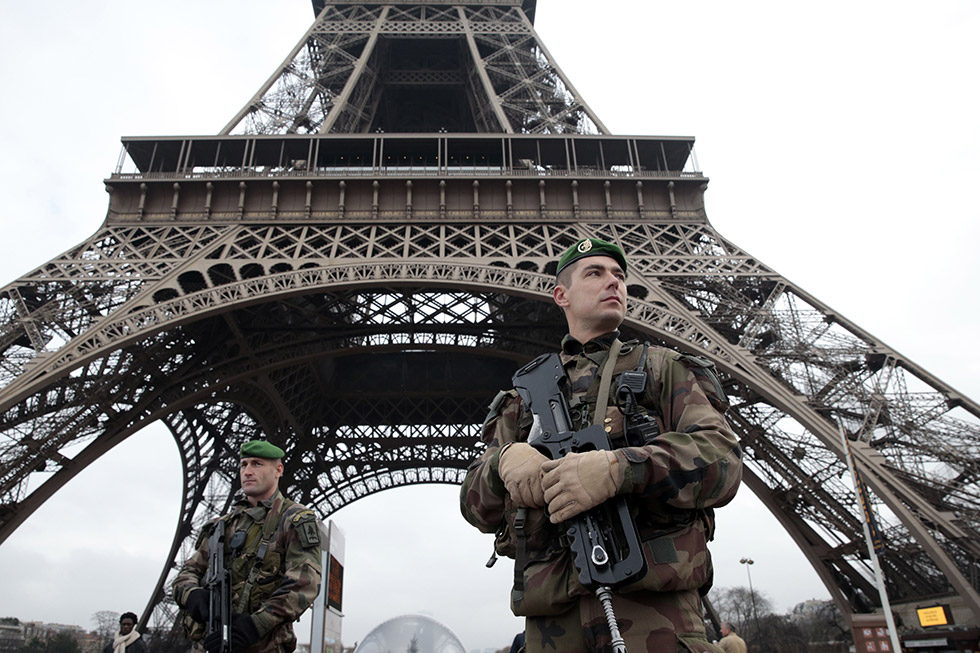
63	643
33	646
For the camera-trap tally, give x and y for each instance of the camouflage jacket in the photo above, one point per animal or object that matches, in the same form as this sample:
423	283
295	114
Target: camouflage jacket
675	481
288	580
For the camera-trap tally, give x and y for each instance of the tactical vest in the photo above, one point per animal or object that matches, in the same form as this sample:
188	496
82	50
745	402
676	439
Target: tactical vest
632	359
676	554
253	558
248	561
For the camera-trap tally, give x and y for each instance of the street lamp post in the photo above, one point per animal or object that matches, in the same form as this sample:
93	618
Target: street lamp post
748	562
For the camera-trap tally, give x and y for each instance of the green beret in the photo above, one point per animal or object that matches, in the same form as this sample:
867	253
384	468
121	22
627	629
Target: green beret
261	449
591	247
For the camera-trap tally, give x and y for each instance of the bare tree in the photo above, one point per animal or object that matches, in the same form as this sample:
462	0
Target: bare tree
817	629
106	625
741	607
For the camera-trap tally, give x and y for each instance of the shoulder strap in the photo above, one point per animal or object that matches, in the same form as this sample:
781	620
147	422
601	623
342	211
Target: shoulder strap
605	381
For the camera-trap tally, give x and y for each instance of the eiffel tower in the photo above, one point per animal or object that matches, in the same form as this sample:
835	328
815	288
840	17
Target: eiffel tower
361	258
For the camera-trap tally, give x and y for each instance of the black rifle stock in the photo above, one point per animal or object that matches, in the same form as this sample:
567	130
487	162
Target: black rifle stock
217	581
604	542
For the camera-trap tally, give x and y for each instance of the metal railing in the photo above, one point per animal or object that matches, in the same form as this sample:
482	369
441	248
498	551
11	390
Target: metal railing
404	171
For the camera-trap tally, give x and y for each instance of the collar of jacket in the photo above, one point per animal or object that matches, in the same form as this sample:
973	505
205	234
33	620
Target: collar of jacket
573	347
244	503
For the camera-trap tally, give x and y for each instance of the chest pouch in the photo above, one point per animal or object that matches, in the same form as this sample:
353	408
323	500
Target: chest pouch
641	427
244	544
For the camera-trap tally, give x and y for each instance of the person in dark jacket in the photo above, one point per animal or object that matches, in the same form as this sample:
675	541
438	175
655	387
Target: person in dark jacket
128	639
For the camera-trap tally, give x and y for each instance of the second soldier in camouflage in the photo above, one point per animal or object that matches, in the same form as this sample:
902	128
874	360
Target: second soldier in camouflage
275	574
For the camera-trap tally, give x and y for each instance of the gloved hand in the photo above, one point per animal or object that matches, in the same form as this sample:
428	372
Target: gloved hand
520	470
212	642
198	605
578	482
243	632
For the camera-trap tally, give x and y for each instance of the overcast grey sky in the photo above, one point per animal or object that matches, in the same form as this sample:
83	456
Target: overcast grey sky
842	145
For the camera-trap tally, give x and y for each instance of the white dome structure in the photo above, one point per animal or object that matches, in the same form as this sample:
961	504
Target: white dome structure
411	633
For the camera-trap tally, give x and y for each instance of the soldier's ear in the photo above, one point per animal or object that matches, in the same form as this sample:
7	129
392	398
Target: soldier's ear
559	294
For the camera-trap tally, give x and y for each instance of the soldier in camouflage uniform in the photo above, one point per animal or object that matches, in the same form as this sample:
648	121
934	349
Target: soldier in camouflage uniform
674	479
275	572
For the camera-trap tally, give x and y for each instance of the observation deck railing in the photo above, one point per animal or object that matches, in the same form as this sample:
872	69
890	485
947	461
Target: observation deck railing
406	156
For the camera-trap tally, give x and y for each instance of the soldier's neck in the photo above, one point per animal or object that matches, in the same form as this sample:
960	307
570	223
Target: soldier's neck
256	500
585	335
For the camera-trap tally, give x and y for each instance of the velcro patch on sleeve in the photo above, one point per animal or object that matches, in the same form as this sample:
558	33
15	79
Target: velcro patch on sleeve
307	528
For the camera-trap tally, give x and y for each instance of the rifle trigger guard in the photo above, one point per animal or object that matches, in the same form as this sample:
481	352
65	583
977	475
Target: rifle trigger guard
599	555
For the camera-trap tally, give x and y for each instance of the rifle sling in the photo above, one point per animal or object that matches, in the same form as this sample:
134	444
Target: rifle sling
605	380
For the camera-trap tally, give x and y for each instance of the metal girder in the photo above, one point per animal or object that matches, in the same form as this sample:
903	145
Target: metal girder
330	81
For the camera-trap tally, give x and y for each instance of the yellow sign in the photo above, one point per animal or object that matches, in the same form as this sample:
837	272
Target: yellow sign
935	616
335	584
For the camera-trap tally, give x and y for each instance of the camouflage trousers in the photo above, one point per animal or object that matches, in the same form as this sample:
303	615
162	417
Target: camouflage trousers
264	645
649	622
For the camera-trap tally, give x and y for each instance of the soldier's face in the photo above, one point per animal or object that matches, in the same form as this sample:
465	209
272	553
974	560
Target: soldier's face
260	477
595	299
125	626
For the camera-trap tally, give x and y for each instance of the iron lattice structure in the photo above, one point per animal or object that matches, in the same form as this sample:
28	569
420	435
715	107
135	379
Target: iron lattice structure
363	256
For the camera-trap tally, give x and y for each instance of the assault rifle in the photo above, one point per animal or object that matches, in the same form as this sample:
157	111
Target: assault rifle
217	582
603	541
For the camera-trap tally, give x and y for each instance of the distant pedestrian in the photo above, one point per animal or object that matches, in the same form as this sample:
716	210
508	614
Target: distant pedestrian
128	639
730	641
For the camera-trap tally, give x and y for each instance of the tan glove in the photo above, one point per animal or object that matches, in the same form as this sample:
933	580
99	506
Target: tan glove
578	482
520	469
